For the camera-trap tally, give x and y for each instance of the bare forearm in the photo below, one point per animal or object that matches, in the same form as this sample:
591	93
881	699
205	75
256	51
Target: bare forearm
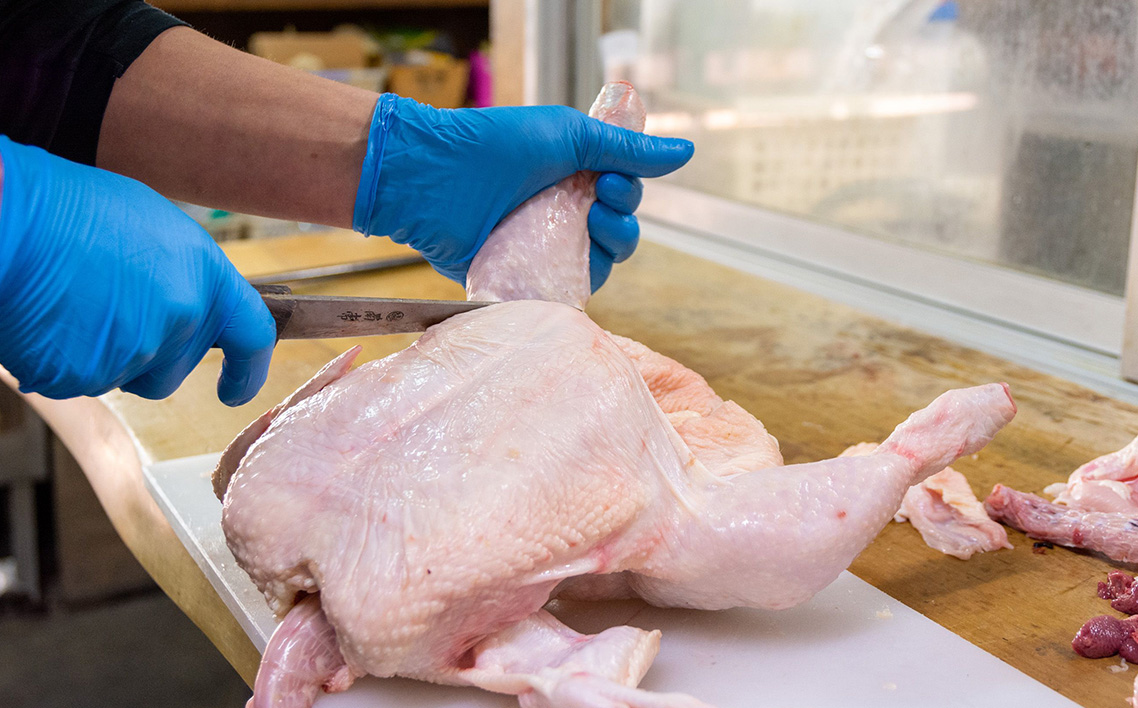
205	123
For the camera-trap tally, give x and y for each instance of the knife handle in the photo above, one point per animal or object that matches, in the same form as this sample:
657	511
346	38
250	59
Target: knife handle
279	307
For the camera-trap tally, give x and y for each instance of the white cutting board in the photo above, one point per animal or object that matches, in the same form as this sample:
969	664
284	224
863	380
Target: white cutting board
852	645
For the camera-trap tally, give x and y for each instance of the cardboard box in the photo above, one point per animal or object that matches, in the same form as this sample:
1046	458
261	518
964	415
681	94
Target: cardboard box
440	84
315	51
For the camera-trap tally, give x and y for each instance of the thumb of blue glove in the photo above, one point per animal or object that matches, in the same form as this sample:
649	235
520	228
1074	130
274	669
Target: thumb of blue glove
441	180
104	284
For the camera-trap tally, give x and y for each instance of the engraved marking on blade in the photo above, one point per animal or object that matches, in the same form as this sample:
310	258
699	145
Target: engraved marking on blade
371	316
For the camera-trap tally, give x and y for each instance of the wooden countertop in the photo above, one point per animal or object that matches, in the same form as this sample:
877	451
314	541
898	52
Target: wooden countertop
819	375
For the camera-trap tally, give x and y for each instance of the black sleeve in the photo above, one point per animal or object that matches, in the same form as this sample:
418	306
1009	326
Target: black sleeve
59	60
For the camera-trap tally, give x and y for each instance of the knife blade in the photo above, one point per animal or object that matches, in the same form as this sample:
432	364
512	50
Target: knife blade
328	317
290	276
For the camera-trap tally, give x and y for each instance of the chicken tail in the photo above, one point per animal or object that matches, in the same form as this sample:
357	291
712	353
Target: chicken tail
301	659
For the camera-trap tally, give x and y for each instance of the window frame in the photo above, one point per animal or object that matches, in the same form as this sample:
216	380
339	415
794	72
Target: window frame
1078	333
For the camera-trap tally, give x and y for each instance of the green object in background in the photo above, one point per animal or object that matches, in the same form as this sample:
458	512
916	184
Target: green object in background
395	43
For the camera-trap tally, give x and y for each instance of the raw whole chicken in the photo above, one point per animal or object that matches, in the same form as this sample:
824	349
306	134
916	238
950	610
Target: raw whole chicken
413	516
946	512
1108	483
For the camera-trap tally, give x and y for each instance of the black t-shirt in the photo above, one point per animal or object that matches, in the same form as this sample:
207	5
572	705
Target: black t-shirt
59	60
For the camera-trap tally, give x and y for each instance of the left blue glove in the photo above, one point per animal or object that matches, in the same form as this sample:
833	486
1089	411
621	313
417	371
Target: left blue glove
441	180
104	284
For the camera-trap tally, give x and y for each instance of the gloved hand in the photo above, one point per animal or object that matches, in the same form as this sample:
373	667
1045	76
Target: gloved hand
440	180
104	284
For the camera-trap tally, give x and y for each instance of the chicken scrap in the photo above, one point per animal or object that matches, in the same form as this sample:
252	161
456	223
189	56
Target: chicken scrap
1104	636
1114	535
1108	483
413	516
1122	591
1096	508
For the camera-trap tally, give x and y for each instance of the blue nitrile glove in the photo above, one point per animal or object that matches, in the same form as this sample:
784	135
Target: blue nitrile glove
104	284
440	180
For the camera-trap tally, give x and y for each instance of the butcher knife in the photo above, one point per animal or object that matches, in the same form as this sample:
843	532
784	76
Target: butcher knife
328	317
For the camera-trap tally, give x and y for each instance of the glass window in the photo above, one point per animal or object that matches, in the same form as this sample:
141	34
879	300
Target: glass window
1004	131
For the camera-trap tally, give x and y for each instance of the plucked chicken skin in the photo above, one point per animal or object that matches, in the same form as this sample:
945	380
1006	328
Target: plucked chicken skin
413	516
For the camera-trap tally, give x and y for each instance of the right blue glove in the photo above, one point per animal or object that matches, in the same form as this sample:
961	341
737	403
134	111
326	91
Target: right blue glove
440	180
104	284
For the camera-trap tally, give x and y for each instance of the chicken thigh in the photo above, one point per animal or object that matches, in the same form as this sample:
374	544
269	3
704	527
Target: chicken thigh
413	516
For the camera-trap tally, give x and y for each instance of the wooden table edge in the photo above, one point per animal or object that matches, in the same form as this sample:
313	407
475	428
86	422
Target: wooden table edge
112	461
